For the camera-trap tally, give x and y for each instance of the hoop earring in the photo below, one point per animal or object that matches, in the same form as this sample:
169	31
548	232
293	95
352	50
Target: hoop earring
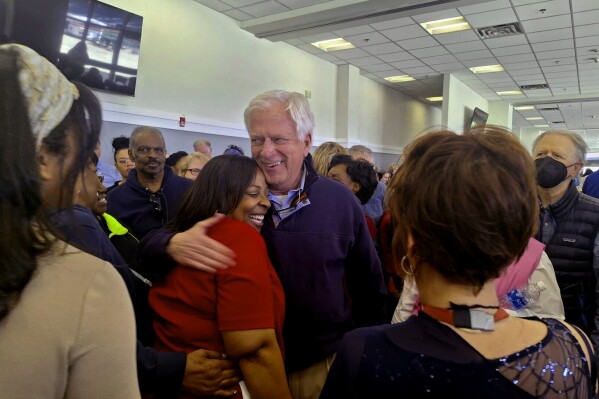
410	267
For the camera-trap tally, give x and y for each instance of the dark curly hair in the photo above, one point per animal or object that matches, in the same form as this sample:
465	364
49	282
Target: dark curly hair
467	201
360	172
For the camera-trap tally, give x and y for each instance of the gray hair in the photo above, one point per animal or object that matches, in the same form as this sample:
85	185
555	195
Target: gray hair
360	149
295	103
580	146
200	141
143	129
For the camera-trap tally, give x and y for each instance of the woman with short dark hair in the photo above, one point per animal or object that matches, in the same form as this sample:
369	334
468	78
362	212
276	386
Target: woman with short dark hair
238	311
464	207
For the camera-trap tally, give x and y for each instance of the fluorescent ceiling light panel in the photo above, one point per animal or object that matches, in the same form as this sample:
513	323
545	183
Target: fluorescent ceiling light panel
541	125
509	93
399	79
433	99
333	45
446	25
524	108
535	118
487	69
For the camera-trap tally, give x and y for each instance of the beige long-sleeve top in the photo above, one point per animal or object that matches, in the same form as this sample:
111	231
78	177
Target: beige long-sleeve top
72	333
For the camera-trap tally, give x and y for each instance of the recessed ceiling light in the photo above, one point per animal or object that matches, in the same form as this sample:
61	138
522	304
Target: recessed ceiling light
399	78
524	107
433	99
535	118
541	125
445	25
333	45
509	93
487	69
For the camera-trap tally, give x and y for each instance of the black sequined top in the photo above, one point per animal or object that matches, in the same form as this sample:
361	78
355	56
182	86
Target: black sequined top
423	358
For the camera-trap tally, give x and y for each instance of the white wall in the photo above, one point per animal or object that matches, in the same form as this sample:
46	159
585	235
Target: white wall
459	102
199	63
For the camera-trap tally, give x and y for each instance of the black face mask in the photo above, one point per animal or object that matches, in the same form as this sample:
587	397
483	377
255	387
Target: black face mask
550	172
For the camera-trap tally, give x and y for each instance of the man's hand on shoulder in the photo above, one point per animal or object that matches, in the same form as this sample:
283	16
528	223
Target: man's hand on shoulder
193	248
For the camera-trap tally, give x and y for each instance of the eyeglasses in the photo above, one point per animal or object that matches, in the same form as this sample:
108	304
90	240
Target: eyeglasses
144	150
156	203
124	161
194	171
101	178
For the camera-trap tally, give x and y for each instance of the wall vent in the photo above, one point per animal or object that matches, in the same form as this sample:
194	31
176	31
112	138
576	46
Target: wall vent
558	123
548	109
491	32
535	87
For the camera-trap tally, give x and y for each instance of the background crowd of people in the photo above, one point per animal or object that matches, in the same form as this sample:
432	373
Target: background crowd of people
467	269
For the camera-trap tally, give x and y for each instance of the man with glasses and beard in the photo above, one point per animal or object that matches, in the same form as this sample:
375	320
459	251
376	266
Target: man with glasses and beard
152	193
569	225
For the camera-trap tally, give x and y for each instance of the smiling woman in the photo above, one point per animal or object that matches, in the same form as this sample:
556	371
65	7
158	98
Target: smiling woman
238	311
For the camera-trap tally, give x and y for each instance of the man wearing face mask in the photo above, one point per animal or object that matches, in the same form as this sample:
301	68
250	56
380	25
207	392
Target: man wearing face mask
569	225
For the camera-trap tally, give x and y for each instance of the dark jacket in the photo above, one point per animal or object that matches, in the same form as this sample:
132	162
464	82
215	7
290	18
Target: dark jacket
141	209
327	264
157	371
569	229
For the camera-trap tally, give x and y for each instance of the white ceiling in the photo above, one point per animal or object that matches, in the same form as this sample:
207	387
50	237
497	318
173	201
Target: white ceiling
559	47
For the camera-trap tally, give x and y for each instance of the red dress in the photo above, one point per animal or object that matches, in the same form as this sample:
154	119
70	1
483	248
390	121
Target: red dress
193	307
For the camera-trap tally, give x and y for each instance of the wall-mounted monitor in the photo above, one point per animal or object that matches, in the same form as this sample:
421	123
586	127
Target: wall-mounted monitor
88	40
479	117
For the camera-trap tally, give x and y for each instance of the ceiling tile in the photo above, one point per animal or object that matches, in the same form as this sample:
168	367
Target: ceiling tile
465	47
405	32
440	59
550	55
560	68
328	57
555	45
340	62
419	71
543	24
587	41
319	37
263	9
295	42
429	52
384	48
520	65
388	72
393	23
506	41
421	42
584	5
241	3
215	5
367	39
359	62
531	70
457	37
550	35
433	16
557	61
474	55
453	66
377	68
294	4
392	57
311	49
491	18
486	6
512	50
480	62
510	59
350	53
587	17
552	7
407	64
358	30
569	75
238	15
586	30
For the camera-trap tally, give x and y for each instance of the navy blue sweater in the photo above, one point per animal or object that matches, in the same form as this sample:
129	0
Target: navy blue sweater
131	202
